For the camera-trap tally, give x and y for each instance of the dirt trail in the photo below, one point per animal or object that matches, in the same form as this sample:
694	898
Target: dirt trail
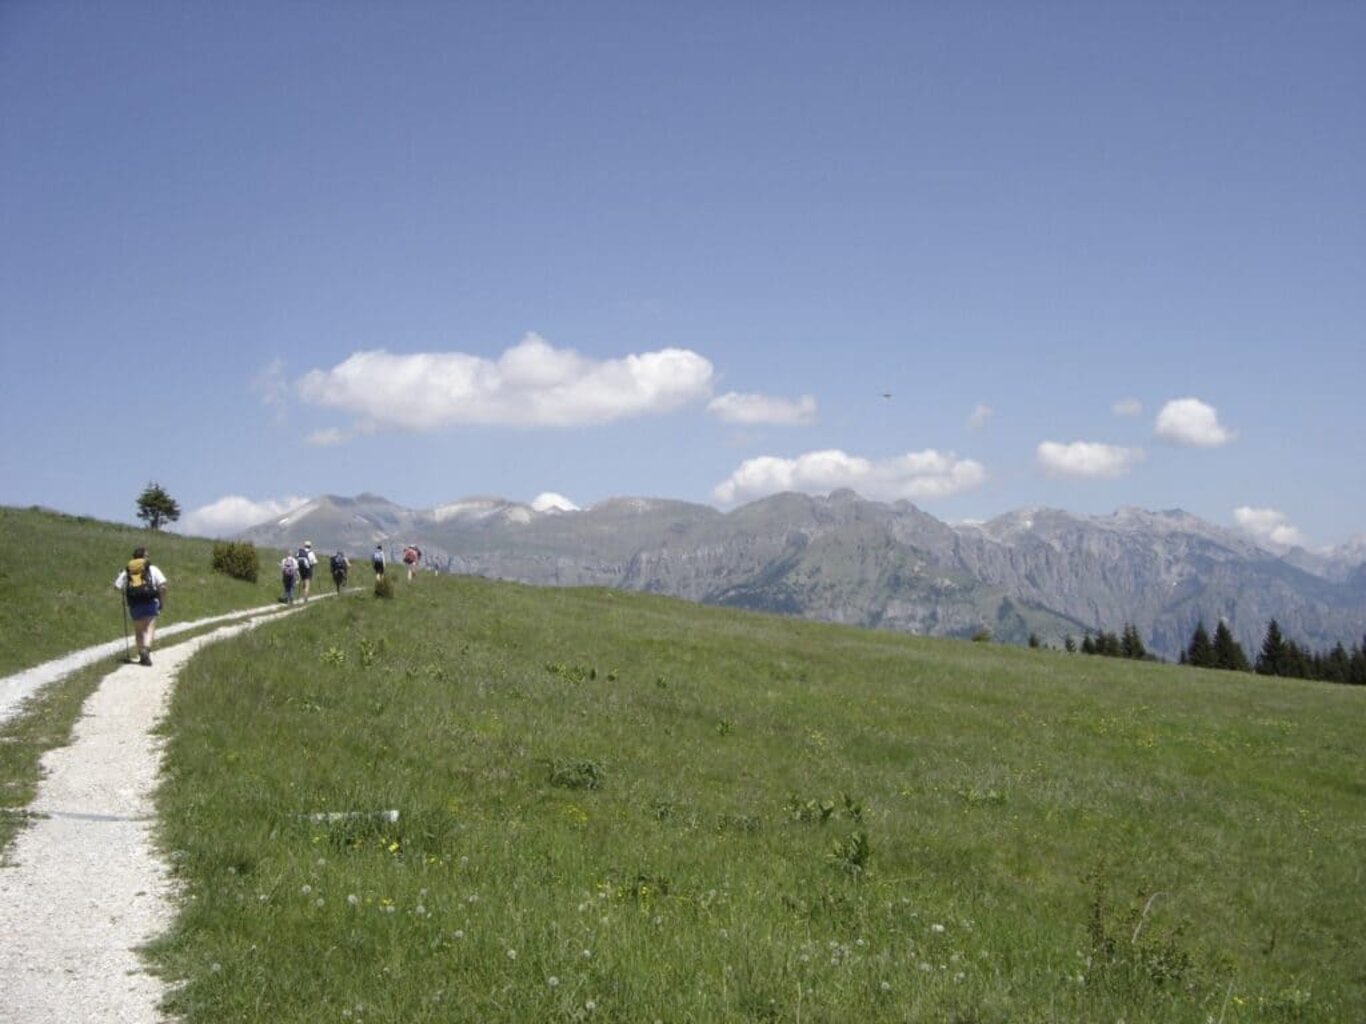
82	888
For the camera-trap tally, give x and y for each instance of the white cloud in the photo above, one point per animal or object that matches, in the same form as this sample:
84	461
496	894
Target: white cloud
1190	421
271	387
1129	407
1268	525
1086	459
761	409
549	501
916	476
328	437
233	514
980	415
532	384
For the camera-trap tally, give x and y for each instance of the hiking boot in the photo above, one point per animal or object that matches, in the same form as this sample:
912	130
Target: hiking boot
145	657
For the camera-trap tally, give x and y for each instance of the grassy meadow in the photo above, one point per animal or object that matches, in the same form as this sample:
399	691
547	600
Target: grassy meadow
58	573
618	807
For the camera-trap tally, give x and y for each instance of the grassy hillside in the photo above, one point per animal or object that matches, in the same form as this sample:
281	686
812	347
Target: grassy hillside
57	572
617	807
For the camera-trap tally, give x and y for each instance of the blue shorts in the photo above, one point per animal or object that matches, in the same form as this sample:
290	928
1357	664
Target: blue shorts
140	610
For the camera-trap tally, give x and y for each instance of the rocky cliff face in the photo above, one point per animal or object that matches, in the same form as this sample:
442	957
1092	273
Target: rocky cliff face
843	559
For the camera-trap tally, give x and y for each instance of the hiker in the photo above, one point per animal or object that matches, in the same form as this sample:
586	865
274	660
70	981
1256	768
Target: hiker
144	589
307	560
289	574
377	562
340	567
412	554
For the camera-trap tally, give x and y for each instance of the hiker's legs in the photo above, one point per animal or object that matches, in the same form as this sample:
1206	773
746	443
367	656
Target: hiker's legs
143	631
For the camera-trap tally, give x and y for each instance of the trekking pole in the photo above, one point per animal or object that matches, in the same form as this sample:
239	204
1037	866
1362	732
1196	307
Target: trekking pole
124	605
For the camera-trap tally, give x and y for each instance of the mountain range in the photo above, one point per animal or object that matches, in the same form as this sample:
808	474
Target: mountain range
845	559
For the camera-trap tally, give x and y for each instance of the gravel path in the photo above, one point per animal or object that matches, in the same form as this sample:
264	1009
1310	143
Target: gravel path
14	689
82	887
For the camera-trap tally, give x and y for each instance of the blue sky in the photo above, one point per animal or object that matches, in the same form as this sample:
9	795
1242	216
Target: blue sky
1097	254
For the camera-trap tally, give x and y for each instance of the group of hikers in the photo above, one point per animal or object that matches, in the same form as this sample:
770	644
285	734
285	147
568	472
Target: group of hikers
296	569
144	585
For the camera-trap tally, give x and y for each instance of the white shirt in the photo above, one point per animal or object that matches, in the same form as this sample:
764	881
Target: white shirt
158	578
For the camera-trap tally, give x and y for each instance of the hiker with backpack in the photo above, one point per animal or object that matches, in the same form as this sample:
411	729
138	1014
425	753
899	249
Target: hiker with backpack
340	567
307	560
144	590
289	575
377	562
412	554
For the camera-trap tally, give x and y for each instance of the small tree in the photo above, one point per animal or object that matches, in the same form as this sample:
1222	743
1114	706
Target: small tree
156	507
1228	652
1274	657
1200	652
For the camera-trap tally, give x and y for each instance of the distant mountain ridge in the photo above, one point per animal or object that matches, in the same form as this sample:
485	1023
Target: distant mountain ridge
845	559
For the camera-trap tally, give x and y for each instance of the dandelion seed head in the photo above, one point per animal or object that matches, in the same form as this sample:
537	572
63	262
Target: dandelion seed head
215	967
938	929
318	902
886	986
553	981
353	899
512	954
306	889
459	933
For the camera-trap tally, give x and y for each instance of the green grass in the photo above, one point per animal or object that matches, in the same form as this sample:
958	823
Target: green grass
58	572
618	807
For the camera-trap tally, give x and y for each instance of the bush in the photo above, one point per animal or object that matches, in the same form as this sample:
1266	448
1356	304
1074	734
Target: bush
236	559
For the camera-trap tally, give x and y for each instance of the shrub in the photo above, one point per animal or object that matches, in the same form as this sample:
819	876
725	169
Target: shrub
236	559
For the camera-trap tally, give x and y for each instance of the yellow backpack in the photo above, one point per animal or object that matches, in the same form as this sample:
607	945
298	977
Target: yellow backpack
139	586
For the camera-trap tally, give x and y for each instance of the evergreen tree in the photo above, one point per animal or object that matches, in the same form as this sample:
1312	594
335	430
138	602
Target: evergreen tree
1069	645
1274	657
1088	646
1228	653
1131	644
156	507
1200	652
1356	673
1337	666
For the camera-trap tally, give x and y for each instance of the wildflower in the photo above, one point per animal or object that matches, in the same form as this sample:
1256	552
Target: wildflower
590	1006
886	986
420	910
318	902
553	981
924	966
215	967
306	889
938	929
390	909
353	899
512	954
459	933
588	954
